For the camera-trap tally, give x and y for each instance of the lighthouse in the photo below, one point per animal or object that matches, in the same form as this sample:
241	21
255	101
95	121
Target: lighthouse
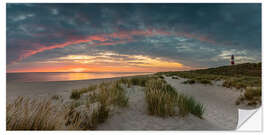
232	60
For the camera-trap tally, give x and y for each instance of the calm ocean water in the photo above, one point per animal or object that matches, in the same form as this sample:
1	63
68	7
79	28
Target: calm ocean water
40	77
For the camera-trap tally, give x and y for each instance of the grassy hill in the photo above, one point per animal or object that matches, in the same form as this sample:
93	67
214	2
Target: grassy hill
245	77
246	69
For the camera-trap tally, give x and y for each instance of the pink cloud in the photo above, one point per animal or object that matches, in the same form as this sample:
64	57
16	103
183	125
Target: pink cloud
105	39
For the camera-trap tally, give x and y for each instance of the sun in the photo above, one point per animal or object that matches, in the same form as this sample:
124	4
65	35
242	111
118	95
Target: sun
78	69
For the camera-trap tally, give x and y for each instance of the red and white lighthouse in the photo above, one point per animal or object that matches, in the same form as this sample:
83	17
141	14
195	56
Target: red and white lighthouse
232	60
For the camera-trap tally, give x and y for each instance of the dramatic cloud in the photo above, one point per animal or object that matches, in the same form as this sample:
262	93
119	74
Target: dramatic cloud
190	35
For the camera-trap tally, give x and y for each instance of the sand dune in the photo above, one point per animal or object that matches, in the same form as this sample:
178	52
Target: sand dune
219	101
221	111
135	117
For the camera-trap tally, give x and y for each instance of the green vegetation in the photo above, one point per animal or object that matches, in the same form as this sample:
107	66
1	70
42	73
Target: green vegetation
25	114
99	100
161	77
188	104
242	82
56	97
162	99
190	81
106	95
110	94
81	114
86	119
251	93
241	76
246	69
141	81
100	115
92	105
76	93
205	82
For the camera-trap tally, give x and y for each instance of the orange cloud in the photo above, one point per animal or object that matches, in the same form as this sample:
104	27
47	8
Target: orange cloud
104	62
81	68
105	39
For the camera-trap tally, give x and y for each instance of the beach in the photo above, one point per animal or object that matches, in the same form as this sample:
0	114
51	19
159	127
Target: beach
220	109
48	88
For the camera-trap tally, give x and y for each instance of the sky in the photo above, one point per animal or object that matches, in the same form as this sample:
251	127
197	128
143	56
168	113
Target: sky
130	37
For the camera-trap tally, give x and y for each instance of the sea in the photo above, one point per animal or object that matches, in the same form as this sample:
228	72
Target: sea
66	76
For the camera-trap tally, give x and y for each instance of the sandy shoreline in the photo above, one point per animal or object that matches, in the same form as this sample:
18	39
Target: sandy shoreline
50	88
221	111
15	89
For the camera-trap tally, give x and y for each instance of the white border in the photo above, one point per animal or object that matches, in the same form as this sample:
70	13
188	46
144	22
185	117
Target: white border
266	67
132	1
3	67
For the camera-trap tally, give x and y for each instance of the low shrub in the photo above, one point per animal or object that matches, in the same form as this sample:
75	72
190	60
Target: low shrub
252	92
190	81
75	94
205	82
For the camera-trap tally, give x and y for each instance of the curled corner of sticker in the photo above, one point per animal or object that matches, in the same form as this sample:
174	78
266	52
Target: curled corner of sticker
244	115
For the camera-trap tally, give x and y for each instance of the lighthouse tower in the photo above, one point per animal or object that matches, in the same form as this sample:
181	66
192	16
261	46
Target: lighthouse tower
232	60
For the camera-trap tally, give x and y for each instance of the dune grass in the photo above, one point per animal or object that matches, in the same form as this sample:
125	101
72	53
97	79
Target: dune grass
56	97
118	97
188	104
160	98
140	80
86	118
76	93
238	76
163	100
100	115
242	82
125	81
241	76
80	114
88	112
106	95
252	92
110	94
253	95
26	114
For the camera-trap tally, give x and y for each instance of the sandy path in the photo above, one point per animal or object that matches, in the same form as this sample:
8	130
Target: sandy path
135	117
219	101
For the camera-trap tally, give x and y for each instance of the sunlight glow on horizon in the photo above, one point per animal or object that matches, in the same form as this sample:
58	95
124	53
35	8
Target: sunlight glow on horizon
104	62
